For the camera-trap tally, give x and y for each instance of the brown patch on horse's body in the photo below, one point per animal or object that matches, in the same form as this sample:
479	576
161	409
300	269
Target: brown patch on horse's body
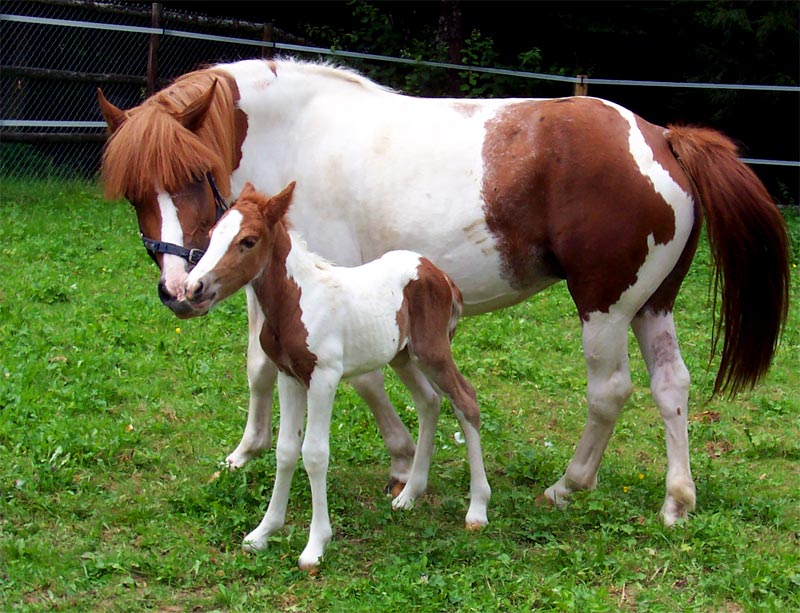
239	118
465	108
284	336
432	304
558	178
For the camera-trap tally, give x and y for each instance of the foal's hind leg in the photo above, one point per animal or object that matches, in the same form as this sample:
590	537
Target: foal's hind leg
427	403
605	346
669	384
437	363
465	405
395	435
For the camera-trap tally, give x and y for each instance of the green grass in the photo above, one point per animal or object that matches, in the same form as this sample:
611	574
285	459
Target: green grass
114	417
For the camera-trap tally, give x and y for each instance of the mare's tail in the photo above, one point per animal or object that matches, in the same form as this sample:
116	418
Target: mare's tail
749	246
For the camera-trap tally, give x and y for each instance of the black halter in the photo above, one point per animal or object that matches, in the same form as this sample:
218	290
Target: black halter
190	255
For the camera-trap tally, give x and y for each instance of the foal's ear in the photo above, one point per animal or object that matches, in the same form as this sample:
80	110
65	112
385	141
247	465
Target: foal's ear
248	190
192	116
114	116
277	206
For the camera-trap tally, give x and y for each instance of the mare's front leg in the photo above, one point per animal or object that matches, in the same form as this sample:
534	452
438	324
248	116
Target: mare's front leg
605	347
261	375
316	455
292	395
395	435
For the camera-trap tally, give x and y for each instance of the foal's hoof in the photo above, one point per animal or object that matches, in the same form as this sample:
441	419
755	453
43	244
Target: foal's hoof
473	526
394	487
543	501
312	568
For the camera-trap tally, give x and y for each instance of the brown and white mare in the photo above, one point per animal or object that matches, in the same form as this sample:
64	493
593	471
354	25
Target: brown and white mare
507	196
322	323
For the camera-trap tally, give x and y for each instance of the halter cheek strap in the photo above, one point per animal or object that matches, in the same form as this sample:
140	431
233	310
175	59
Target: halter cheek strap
190	255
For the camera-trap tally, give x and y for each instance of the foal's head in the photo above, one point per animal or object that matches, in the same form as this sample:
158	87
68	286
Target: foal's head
239	247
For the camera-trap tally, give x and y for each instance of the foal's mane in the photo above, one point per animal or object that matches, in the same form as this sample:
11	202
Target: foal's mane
151	148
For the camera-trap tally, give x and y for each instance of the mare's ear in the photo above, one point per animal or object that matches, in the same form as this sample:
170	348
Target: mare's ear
114	116
277	206
192	116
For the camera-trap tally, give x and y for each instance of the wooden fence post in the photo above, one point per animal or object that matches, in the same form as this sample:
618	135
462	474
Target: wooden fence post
268	36
581	86
152	50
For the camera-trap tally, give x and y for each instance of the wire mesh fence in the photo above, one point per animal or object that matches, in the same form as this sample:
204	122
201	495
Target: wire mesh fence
57	53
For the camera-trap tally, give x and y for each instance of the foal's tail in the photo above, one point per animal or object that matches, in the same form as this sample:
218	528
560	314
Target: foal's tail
749	247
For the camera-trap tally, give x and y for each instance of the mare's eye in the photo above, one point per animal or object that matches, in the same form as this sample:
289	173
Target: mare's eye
248	242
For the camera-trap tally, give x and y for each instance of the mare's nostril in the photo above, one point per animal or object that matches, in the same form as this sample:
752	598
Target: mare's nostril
163	294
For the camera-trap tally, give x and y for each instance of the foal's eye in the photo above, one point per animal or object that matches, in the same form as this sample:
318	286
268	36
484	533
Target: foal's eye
248	242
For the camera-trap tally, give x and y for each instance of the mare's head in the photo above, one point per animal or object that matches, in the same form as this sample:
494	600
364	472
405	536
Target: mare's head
240	247
172	157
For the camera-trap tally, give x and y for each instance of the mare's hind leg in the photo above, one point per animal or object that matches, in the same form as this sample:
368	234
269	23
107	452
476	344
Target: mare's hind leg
605	347
261	375
395	435
669	384
427	403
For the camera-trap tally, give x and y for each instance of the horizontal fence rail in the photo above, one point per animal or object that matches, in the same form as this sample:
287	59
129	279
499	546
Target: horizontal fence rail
19	123
385	58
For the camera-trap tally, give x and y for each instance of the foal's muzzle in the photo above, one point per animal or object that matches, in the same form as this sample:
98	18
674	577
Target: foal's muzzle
181	308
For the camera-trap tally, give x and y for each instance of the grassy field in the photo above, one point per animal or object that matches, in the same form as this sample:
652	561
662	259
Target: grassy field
114	417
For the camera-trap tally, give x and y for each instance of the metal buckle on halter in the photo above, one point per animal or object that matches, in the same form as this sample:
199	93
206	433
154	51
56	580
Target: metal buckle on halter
195	255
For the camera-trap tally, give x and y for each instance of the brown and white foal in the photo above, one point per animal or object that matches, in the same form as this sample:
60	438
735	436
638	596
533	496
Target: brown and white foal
321	323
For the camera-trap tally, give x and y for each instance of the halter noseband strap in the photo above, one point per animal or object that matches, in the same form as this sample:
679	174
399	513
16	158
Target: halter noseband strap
190	255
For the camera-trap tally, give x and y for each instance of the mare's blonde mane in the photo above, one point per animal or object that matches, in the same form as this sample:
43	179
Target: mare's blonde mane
152	149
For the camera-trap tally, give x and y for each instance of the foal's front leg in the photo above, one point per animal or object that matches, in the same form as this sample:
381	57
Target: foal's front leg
316	455
292	395
261	375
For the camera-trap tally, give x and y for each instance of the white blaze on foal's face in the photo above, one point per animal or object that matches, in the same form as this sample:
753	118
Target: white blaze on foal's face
219	272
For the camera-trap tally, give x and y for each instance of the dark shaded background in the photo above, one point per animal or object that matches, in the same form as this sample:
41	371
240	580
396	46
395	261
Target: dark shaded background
684	41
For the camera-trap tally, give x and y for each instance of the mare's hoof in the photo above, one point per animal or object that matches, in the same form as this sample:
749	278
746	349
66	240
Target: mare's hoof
543	501
394	487
474	526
